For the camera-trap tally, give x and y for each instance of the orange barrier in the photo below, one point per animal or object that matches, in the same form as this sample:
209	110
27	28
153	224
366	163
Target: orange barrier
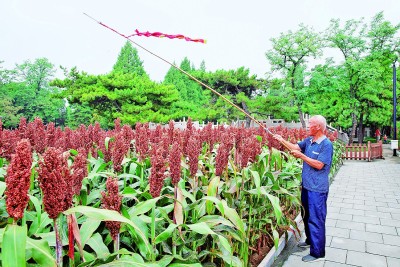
368	151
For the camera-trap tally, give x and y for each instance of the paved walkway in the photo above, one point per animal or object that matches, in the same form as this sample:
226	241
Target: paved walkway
363	221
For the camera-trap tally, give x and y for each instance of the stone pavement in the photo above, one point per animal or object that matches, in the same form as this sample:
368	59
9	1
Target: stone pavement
363	221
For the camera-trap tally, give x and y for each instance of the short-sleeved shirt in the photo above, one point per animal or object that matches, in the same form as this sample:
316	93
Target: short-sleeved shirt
321	150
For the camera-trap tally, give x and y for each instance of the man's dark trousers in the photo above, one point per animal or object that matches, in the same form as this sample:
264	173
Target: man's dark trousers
314	217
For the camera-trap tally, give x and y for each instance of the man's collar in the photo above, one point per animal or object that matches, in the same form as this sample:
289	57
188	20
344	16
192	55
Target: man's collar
319	140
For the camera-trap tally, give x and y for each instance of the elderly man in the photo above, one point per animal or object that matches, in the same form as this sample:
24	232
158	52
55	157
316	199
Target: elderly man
316	152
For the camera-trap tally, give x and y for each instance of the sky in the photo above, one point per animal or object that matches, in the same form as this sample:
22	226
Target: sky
238	32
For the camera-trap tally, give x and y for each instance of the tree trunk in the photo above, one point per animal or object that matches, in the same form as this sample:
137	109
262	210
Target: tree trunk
245	108
353	128
303	123
360	134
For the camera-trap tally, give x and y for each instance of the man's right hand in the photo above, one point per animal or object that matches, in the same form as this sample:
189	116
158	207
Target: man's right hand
278	138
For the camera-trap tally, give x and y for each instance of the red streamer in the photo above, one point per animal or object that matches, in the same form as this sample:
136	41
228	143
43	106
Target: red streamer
170	36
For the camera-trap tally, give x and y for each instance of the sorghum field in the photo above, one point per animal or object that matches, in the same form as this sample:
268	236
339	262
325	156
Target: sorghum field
139	197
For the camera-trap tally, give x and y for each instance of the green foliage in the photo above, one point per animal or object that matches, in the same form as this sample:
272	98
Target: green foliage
27	93
77	114
192	98
239	86
13	246
8	111
289	54
129	62
127	96
359	90
274	100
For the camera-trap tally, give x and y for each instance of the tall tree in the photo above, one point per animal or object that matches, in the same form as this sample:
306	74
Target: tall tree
37	75
5	75
289	54
27	89
127	96
367	52
192	98
129	61
237	85
275	100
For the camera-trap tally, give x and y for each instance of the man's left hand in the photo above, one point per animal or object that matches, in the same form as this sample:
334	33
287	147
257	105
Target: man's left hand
297	154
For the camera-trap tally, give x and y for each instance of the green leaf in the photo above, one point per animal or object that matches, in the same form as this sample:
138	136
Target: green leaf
44	221
3	172
167	233
41	252
233	216
231	260
165	261
277	208
127	261
2	187
225	243
185	265
97	244
1	234
143	207
276	238
213	220
87	229
36	225
73	152
13	246
111	215
212	192
201	228
217	202
257	181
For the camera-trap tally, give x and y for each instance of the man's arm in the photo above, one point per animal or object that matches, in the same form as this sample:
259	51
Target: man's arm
312	162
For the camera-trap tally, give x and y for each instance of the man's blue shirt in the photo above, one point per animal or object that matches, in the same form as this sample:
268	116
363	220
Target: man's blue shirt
321	150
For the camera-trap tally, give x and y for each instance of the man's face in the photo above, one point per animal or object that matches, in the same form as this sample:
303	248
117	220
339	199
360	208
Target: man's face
313	127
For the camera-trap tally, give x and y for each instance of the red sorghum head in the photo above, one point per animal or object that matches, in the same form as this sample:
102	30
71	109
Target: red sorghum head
120	148
18	180
54	180
79	170
142	140
193	150
50	134
112	200
157	171
39	136
175	156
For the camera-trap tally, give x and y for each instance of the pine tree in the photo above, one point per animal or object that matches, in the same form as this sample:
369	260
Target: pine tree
129	61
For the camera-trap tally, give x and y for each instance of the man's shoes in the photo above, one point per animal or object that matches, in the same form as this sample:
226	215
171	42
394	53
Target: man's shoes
310	258
303	245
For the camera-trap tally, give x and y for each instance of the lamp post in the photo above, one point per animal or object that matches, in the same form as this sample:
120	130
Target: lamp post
394	105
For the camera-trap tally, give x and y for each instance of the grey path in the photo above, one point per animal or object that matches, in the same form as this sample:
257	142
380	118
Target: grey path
363	221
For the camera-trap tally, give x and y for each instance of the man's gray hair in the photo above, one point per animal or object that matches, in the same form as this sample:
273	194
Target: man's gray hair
321	121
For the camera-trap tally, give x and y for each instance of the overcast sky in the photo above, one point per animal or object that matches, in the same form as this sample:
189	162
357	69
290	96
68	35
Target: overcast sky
238	32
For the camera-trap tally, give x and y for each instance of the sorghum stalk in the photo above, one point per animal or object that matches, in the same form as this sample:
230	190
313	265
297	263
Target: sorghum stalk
70	240
153	233
58	244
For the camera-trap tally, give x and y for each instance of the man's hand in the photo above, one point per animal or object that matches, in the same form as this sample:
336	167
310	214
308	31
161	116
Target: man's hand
297	154
278	138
